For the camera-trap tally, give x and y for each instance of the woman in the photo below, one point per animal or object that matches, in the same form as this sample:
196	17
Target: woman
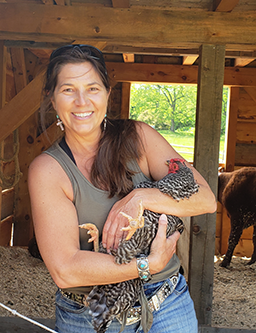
89	177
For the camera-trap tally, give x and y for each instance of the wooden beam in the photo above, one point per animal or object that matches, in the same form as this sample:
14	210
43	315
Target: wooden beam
161	73
3	60
121	3
23	228
19	68
41	23
60	2
128	57
224	5
20	107
125	103
189	60
241	62
206	161
231	130
47	2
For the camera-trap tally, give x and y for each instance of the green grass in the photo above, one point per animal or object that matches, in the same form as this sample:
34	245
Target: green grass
187	139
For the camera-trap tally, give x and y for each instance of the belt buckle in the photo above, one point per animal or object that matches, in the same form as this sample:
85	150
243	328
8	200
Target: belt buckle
156	302
133	318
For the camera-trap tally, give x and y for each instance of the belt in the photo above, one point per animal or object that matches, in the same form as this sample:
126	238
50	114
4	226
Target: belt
79	298
134	313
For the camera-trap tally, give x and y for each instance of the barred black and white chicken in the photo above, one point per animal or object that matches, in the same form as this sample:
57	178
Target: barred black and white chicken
108	301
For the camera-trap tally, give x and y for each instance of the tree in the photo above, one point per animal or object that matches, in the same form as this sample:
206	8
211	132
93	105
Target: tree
164	106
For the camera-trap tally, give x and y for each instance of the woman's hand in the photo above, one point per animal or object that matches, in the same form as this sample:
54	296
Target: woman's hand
112	232
162	248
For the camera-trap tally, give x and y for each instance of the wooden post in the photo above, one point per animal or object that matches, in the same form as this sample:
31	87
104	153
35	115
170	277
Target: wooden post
206	161
232	124
23	228
3	57
125	103
230	161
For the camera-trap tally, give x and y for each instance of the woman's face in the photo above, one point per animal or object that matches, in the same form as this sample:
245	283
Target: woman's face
80	99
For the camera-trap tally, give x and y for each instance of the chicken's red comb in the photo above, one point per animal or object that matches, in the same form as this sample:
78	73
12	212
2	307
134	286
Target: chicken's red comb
173	160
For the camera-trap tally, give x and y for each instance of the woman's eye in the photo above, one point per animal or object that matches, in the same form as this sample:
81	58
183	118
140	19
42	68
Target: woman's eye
94	89
68	90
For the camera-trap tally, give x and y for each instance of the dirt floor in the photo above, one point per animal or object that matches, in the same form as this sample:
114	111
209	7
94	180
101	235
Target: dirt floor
27	287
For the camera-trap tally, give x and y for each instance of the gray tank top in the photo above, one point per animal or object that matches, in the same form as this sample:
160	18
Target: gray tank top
93	205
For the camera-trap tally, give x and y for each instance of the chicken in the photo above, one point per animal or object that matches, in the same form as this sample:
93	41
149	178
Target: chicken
108	301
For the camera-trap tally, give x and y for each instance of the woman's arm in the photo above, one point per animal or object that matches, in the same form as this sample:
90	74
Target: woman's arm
57	233
152	164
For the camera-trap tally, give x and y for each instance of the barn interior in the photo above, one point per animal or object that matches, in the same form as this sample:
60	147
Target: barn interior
209	43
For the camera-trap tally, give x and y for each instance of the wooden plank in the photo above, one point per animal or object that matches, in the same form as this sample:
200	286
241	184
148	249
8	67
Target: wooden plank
246	132
164	51
7	203
132	26
121	3
232	124
128	57
251	91
189	60
241	62
206	161
183	246
162	73
224	5
125	103
23	230
20	107
245	154
60	2
3	59
46	139
6	231
19	68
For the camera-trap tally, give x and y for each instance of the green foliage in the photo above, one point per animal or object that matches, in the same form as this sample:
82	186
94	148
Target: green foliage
170	107
165	106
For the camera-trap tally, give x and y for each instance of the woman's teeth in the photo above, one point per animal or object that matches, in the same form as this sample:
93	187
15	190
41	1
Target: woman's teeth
83	115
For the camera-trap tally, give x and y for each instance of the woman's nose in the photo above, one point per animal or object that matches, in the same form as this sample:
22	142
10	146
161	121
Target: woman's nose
82	98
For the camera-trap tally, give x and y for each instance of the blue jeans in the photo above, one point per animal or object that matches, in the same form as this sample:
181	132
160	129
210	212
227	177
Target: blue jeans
176	314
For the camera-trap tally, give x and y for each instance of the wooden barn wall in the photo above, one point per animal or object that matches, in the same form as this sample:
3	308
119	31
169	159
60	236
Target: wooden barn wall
241	152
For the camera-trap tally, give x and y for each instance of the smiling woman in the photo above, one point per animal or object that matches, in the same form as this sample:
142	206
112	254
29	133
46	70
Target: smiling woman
91	177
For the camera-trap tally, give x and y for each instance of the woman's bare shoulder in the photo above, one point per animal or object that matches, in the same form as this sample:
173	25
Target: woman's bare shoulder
47	173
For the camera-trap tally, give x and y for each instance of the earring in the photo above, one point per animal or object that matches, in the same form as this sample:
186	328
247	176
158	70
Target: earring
59	123
105	123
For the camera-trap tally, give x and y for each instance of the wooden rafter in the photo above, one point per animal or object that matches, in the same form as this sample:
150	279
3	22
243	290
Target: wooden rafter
138	72
128	57
189	60
47	2
62	24
121	3
3	59
20	107
60	2
241	62
224	5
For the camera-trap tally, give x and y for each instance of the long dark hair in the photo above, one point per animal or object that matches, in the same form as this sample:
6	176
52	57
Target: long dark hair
119	143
